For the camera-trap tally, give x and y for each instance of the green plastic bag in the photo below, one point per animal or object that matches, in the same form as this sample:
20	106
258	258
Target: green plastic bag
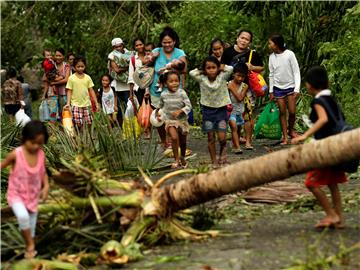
268	126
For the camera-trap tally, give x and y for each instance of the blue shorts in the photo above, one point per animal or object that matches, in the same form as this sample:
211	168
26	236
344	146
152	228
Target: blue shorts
237	118
209	126
281	93
214	119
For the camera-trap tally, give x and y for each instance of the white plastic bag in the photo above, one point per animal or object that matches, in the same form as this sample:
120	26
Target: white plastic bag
22	118
129	111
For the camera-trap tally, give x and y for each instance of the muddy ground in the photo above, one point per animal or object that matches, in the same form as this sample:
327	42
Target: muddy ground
262	236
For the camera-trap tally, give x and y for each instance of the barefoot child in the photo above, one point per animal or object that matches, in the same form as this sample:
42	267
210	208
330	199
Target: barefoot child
28	180
107	98
238	90
176	106
79	88
323	107
285	82
214	99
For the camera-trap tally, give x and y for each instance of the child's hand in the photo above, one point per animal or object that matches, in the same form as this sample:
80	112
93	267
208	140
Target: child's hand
67	107
271	97
298	139
177	113
44	193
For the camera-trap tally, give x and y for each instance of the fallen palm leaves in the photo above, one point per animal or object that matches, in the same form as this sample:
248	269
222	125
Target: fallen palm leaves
155	219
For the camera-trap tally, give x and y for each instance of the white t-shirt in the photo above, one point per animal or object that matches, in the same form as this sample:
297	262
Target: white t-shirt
108	101
138	64
284	71
119	86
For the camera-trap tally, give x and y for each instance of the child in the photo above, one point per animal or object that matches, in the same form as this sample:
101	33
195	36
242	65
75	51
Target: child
107	98
149	47
214	100
285	82
323	107
12	95
216	48
79	88
238	90
28	180
174	64
176	106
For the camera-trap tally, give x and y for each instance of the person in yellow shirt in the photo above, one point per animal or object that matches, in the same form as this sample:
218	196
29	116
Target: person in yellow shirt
79	88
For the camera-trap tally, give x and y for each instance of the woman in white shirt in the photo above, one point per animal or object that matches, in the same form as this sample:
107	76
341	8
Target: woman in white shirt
285	82
137	61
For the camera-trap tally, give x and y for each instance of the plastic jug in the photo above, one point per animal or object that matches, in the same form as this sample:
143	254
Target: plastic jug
67	122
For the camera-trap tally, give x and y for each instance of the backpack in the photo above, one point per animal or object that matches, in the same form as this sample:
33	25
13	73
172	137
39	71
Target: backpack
144	76
340	127
9	92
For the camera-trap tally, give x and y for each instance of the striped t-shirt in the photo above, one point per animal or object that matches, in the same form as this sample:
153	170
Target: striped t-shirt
172	101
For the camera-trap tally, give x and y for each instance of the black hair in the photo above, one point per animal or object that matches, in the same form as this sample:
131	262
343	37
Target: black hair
164	77
168	31
106	75
279	41
79	59
20	79
33	129
12	72
60	50
241	68
69	54
212	59
150	44
215	40
317	77
246	31
46	50
138	39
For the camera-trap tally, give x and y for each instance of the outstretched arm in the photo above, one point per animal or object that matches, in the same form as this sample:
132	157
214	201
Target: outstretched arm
322	120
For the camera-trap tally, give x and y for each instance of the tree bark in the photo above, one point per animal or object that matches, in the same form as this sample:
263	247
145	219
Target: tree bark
254	172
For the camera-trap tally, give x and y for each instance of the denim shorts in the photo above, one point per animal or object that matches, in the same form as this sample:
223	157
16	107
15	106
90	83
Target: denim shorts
237	117
214	119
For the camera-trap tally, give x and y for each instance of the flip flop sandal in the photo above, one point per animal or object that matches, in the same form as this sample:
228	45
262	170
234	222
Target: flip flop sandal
325	224
249	147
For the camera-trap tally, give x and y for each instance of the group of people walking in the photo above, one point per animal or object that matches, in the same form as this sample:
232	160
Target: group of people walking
225	98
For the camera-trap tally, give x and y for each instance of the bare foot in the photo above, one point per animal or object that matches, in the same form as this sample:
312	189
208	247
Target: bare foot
293	134
30	253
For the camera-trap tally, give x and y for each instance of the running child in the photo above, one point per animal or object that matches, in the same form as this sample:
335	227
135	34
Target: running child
107	98
79	88
323	110
238	94
28	181
176	106
285	83
214	100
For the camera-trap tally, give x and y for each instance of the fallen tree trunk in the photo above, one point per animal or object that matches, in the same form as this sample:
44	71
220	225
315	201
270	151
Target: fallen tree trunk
254	172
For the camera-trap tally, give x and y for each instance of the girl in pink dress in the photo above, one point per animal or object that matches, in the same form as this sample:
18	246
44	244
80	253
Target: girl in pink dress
28	180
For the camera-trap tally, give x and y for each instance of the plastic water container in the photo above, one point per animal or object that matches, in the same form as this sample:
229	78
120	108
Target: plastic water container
67	122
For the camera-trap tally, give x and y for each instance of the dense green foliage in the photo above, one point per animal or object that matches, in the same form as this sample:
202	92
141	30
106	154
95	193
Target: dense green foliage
318	32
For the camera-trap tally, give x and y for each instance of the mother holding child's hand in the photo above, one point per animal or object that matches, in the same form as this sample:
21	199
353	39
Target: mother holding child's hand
170	57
